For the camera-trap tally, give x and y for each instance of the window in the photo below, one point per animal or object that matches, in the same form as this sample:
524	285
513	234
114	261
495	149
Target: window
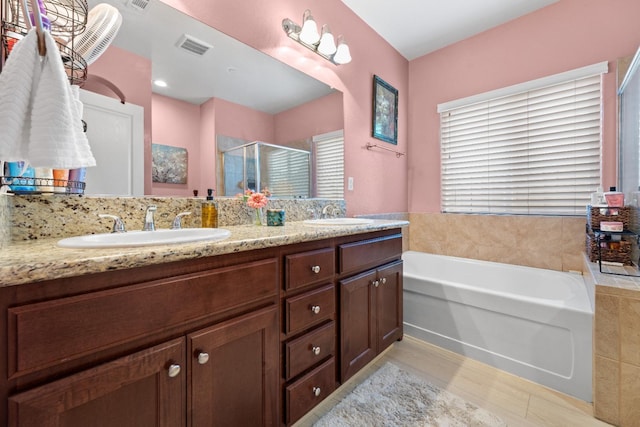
527	149
329	164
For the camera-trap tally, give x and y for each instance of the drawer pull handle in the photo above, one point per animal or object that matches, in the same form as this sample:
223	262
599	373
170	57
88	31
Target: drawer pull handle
174	370
203	357
315	269
376	283
316	391
315	309
383	280
315	350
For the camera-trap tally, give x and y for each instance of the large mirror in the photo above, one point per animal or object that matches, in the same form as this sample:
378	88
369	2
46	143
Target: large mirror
629	128
220	94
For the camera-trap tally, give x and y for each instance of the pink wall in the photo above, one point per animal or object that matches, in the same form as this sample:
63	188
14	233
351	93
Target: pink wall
177	123
313	118
242	122
564	36
380	180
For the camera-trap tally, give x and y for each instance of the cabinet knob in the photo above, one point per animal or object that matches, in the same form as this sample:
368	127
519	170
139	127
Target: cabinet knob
315	350
376	283
174	370
203	357
383	280
315	309
315	269
316	391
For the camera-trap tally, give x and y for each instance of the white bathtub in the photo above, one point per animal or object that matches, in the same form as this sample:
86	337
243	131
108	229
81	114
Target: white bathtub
531	322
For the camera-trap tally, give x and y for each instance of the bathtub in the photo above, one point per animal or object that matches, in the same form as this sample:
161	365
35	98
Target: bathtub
531	322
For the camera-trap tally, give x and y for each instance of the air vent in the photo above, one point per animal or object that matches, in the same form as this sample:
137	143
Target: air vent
138	5
193	45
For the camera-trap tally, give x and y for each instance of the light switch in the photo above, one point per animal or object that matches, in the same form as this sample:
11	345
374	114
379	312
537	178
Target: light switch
350	183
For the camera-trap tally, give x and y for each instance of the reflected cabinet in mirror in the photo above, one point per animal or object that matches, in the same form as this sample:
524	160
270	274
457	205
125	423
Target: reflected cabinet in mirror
217	89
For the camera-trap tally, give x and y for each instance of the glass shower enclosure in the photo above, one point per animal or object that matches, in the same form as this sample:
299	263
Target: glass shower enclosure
256	166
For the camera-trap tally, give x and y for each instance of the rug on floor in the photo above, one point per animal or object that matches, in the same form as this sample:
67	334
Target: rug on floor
394	397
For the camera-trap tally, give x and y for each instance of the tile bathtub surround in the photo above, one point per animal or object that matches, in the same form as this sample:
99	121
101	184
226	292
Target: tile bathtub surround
616	388
56	216
555	243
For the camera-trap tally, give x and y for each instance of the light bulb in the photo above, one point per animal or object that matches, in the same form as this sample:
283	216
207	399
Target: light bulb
309	33
327	44
342	56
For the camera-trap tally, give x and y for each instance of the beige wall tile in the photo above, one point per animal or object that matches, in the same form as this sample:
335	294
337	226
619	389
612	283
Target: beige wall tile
606	392
606	326
547	242
630	330
629	395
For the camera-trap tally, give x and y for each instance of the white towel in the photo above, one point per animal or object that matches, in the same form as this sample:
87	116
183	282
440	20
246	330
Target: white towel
17	83
57	139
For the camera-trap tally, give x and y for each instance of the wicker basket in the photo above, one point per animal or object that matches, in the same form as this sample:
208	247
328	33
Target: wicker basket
609	250
597	215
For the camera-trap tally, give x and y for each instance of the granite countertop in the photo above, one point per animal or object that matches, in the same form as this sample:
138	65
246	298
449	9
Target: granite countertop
37	260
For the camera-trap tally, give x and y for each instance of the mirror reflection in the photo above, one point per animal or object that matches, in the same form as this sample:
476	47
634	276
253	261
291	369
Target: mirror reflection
224	96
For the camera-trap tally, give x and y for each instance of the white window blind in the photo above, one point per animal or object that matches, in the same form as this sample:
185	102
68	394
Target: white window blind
532	152
329	158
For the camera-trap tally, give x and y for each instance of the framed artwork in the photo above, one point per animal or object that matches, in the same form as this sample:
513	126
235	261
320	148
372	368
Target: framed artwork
385	111
169	164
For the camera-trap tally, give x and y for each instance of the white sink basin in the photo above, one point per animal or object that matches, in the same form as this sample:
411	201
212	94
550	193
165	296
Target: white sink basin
338	221
144	238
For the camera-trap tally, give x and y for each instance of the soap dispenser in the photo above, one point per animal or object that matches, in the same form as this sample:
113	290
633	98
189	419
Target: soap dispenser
209	211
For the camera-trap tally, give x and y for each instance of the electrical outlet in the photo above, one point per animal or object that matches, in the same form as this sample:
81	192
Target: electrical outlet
350	183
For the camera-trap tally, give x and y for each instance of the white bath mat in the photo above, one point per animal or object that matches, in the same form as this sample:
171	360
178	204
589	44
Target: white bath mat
392	397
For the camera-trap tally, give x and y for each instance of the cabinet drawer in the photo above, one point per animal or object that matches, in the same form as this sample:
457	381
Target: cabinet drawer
47	333
309	267
310	308
309	349
369	253
310	390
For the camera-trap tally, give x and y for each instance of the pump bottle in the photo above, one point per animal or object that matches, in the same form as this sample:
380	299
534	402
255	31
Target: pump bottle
209	211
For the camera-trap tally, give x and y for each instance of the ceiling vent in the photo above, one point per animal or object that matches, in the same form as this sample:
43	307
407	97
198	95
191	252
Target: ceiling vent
138	5
193	45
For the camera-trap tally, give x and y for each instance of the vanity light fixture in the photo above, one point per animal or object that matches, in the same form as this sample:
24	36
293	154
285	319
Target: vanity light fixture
324	44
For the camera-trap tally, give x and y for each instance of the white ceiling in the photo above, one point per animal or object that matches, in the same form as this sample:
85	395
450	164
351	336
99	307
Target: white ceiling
417	27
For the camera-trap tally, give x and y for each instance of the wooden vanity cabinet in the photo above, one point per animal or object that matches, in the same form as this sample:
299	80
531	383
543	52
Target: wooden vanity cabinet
199	348
252	338
309	330
370	301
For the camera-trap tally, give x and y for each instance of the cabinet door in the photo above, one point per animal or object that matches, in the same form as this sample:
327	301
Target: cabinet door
389	305
145	389
357	323
234	374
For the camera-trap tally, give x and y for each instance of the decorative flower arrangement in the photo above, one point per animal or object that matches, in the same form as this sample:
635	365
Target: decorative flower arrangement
257	201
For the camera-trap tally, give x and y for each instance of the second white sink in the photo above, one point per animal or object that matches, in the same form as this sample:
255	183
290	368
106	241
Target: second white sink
338	221
144	238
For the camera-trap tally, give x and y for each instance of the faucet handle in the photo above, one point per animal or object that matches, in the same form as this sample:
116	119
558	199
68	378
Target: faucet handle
177	221
118	225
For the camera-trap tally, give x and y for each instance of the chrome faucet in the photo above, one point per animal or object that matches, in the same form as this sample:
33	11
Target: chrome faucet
330	211
118	225
177	221
149	224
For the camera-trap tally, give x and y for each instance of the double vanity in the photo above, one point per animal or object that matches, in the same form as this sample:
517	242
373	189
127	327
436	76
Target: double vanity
255	329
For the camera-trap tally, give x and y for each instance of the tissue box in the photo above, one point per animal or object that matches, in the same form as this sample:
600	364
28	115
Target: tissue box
611	226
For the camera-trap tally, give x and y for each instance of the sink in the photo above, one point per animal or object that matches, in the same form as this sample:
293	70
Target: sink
144	238
338	221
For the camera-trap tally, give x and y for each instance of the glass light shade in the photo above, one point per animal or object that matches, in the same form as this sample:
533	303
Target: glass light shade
309	33
327	44
342	56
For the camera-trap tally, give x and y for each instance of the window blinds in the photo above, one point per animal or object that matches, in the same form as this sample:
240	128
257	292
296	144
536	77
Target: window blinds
329	158
532	152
